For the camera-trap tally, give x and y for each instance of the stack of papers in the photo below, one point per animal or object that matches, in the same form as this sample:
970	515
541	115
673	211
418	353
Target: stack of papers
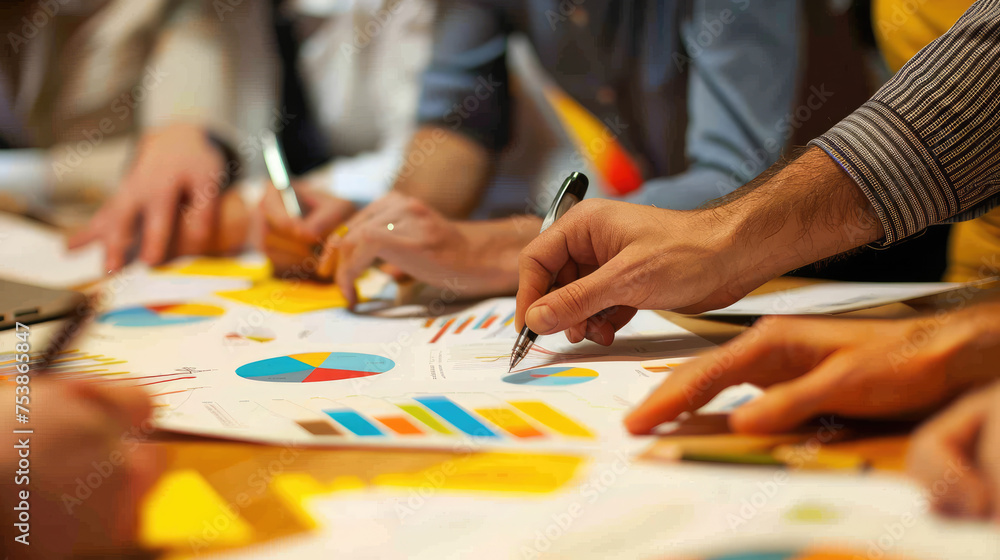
838	297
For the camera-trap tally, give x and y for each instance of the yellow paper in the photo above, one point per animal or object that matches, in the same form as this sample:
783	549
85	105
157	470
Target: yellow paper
181	506
228	268
289	296
492	472
296	488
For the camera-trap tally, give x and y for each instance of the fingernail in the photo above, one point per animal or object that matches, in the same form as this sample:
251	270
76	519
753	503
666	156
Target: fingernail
596	336
671	453
743	417
631	423
541	319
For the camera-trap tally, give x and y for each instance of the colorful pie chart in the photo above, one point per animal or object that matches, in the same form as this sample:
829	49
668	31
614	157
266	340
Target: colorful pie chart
162	315
552	376
315	366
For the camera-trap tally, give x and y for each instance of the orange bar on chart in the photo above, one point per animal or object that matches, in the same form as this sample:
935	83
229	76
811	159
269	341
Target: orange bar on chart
443	330
510	422
489	322
400	425
552	418
463	325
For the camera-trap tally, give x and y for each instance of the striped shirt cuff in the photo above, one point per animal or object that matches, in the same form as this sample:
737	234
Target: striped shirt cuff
893	167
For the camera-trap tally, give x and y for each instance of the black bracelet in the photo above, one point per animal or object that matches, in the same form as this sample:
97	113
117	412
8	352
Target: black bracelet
233	166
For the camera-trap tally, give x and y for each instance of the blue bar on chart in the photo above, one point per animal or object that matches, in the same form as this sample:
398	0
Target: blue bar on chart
508	320
456	416
485	318
354	422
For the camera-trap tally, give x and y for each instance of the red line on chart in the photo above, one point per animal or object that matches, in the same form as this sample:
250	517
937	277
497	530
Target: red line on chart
165	381
169	393
443	330
151	376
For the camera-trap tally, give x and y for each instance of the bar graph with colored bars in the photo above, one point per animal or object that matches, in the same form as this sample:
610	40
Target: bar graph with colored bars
68	363
460	323
474	415
818	553
88	366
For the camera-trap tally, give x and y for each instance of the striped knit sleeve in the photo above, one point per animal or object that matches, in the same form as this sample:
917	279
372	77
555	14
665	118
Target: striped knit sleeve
926	147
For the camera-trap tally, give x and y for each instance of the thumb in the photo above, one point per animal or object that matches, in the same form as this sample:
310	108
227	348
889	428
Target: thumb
573	303
81	238
325	217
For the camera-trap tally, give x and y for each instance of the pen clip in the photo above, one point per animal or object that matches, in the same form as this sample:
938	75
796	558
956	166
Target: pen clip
277	169
572	191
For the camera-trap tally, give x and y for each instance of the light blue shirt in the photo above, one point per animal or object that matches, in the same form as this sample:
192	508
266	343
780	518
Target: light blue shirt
699	91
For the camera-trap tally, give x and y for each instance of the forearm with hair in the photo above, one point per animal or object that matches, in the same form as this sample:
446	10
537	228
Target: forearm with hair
445	169
796	213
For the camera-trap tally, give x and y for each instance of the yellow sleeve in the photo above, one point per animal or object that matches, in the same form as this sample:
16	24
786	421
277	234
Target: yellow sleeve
903	27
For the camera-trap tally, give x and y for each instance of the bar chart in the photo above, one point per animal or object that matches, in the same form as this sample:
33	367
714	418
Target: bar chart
469	415
552	376
474	324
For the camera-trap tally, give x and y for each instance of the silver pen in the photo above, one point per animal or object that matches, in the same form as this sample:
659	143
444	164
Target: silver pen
572	191
277	168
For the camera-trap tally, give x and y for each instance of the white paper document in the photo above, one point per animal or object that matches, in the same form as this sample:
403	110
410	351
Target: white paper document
836	298
35	254
241	369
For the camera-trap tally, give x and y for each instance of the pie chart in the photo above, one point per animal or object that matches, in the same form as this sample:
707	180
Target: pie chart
315	366
162	315
552	376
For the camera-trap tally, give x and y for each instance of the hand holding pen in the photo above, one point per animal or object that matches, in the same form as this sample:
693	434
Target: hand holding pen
572	191
298	217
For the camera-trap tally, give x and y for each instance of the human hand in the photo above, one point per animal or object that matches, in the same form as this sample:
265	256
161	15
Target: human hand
87	472
472	259
794	214
608	259
956	456
292	244
811	366
173	188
